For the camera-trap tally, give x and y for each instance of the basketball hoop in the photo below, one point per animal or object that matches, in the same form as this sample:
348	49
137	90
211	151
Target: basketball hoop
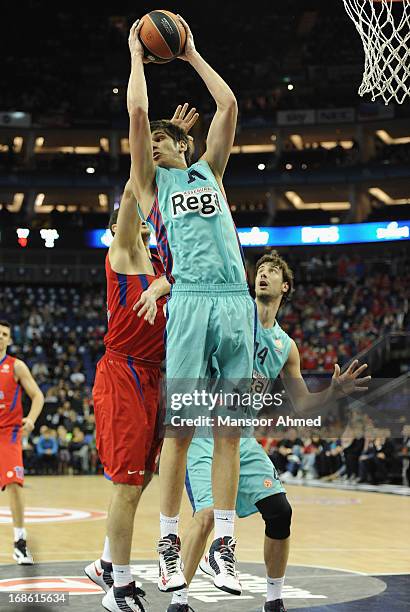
384	27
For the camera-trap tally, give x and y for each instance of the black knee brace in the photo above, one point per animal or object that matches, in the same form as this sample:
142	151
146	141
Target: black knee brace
276	511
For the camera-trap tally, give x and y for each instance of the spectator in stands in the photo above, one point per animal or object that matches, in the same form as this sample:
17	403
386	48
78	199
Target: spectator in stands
64	456
352	451
47	450
312	448
79	452
329	461
77	377
376	459
287	455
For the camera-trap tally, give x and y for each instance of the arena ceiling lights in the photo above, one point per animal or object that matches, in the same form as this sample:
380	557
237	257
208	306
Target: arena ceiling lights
254	148
389	140
299	204
385	198
300	143
15	206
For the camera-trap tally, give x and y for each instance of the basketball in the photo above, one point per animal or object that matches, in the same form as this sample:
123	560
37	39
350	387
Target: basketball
162	35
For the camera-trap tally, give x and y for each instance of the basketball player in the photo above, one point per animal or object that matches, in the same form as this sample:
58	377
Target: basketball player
126	395
260	489
210	328
15	375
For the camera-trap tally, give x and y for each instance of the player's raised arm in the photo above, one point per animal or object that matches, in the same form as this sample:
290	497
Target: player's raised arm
128	222
34	392
342	384
143	170
222	129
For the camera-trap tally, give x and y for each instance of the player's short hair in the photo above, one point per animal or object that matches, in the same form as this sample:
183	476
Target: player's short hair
176	133
113	220
276	260
5	323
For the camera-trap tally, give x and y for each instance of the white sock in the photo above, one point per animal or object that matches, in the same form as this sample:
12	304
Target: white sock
19	534
106	556
168	524
224	523
122	575
274	588
180	597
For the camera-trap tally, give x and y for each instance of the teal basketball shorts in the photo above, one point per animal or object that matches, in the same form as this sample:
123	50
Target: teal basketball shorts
210	336
258	477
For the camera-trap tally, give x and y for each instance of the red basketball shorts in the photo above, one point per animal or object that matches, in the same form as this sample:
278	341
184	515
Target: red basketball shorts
127	417
11	457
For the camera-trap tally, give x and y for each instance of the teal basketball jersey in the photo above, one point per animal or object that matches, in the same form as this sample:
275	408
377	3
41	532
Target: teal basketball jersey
196	236
272	347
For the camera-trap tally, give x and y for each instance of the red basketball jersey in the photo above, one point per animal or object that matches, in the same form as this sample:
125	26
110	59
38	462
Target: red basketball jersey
127	333
11	409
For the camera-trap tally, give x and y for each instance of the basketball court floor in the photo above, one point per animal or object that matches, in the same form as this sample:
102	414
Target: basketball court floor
350	549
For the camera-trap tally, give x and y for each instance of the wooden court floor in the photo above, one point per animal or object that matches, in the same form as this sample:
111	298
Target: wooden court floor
352	530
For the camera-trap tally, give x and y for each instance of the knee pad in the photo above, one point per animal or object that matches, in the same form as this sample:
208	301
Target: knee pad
276	511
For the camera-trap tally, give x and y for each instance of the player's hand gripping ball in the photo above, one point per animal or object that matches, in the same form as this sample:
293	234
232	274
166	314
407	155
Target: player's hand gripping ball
162	35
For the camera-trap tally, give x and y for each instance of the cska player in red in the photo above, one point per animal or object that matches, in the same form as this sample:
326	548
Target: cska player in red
15	376
126	393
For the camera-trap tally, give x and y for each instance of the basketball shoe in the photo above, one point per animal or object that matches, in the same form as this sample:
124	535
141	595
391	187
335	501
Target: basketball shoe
100	572
177	607
204	565
124	599
274	606
22	554
171	577
222	562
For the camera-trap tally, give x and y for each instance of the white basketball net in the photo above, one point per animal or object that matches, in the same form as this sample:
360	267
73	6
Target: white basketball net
384	27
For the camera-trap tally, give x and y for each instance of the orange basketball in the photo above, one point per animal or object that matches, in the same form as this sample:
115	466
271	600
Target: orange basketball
162	35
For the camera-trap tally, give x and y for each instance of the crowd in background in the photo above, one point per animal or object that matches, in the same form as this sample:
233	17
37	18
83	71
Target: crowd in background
364	454
58	331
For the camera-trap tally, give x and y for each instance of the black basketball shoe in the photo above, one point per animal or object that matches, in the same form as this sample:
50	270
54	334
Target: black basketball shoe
22	554
274	606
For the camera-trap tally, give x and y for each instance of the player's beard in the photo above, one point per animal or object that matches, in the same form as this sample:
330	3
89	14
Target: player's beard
266	298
